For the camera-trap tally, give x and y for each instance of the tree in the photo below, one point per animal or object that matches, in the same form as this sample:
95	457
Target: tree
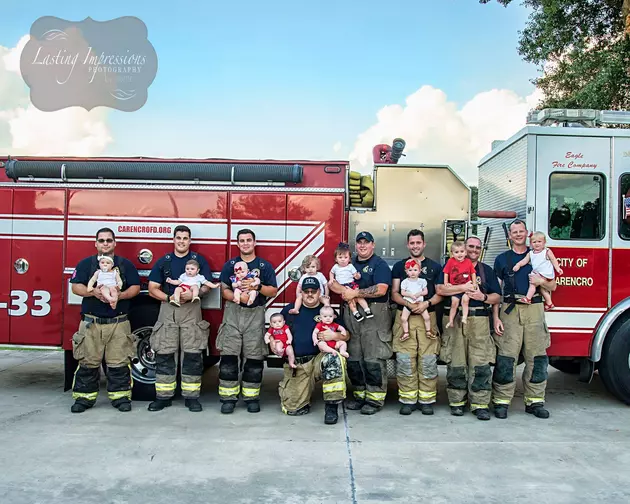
583	49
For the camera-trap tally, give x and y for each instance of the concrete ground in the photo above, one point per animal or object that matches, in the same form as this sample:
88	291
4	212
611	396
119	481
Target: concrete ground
48	455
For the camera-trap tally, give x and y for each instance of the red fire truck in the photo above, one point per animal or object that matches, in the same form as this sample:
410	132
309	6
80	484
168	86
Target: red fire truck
51	208
568	177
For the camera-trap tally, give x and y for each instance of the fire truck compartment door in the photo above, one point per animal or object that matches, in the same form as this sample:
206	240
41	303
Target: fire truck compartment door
37	246
6	230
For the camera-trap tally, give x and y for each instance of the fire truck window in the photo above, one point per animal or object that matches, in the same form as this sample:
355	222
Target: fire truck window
624	220
576	209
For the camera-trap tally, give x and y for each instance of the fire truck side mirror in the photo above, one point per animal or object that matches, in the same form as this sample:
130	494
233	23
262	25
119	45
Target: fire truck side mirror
295	274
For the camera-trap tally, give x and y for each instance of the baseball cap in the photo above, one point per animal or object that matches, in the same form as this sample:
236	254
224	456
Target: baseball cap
365	235
310	283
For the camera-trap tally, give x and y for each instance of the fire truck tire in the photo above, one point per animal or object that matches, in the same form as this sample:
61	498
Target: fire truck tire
614	368
142	317
566	366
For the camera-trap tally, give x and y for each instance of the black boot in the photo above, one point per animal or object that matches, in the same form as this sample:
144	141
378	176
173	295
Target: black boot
122	404
160	404
500	411
355	404
80	406
407	409
426	409
253	406
457	410
370	409
228	407
482	413
331	416
193	405
538	410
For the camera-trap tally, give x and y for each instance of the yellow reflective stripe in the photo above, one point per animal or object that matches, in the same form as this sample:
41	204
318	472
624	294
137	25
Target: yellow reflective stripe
473	407
532	400
333	387
457	404
426	395
250	392
408	395
377	396
90	396
229	391
119	394
359	394
285	411
501	401
165	387
191	387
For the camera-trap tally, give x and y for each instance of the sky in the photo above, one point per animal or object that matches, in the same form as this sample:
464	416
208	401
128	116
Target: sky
291	80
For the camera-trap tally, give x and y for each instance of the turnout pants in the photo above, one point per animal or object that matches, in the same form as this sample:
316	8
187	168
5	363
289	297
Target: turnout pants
416	361
297	385
179	327
468	351
370	346
241	335
524	328
98	337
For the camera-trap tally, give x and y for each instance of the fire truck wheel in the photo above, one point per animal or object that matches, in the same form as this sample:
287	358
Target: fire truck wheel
566	366
142	317
614	368
210	360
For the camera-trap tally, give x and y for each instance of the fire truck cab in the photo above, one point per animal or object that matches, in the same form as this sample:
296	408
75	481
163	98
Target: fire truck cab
567	176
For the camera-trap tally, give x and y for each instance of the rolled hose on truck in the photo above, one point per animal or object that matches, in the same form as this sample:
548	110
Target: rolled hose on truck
154	170
361	189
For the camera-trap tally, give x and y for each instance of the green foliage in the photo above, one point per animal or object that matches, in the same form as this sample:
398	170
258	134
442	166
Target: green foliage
583	50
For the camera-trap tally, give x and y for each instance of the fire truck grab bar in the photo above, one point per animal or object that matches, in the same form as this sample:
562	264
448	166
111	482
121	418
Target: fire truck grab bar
604	327
154	170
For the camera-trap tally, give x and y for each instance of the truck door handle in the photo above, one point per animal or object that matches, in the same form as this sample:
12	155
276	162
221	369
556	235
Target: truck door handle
21	265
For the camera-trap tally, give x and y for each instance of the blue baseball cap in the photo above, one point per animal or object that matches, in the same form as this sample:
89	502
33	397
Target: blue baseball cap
365	235
311	283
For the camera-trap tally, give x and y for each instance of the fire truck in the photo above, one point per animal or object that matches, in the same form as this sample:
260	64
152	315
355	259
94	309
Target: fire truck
51	208
569	177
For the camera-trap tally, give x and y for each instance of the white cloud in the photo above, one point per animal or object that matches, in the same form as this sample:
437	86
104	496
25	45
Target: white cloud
337	146
437	132
26	130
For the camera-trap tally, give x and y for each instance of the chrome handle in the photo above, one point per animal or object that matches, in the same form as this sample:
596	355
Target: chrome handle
145	256
21	265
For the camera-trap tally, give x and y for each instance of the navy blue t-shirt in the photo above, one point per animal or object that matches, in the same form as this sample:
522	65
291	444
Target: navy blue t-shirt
373	271
178	266
512	281
93	306
490	286
302	326
429	270
262	268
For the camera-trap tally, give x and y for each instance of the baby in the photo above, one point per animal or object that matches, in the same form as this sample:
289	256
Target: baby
413	289
190	280
280	338
310	268
345	274
327	315
241	272
458	271
544	263
107	280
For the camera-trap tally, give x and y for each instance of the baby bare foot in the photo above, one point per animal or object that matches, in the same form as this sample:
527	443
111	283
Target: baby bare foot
345	354
293	311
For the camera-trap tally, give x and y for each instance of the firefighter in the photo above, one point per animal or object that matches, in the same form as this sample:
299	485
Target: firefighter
519	327
297	385
468	350
103	330
241	335
371	342
178	326
416	357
